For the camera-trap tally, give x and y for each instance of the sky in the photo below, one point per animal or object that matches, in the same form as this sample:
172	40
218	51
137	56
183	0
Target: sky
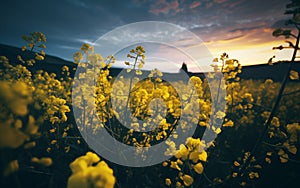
241	28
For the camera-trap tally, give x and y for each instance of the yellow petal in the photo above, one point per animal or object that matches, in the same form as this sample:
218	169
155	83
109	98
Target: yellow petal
203	156
78	180
168	181
198	168
228	124
294	75
39	57
187	180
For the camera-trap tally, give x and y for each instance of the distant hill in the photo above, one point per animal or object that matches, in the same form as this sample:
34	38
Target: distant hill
50	63
54	64
263	71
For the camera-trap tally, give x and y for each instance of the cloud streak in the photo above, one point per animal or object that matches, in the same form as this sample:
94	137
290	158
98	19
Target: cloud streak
165	7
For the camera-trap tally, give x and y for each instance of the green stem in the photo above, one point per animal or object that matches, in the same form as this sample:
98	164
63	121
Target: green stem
130	85
220	81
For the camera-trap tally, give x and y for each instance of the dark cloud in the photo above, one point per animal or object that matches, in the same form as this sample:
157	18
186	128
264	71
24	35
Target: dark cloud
281	24
67	23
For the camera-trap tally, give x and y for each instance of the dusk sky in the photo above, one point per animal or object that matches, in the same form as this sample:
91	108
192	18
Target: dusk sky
242	28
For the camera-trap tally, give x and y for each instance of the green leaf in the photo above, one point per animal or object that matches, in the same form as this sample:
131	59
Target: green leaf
277	32
286	33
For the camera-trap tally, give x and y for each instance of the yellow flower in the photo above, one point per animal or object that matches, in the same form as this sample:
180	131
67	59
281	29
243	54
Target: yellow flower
165	163
178	185
48	150
228	124
79	164
234	174
64	117
85	174
253	175
140	65
203	156
284	158
248	97
138	72
53	119
77	57
291	148
39	57
175	165
194	156
16	96
86	47
182	153
268	160
179	162
78	180
168	181
187	180
191	142
45	161
220	114
53	142
217	130
275	122
65	68
236	163
294	75
198	168
93	158
64	109
202	124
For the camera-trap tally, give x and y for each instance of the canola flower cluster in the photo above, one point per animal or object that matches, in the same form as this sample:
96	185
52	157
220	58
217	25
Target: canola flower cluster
93	76
136	98
28	100
35	41
89	171
24	93
15	98
191	155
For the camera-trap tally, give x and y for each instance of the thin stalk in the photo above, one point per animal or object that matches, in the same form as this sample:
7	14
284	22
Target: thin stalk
220	81
130	85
